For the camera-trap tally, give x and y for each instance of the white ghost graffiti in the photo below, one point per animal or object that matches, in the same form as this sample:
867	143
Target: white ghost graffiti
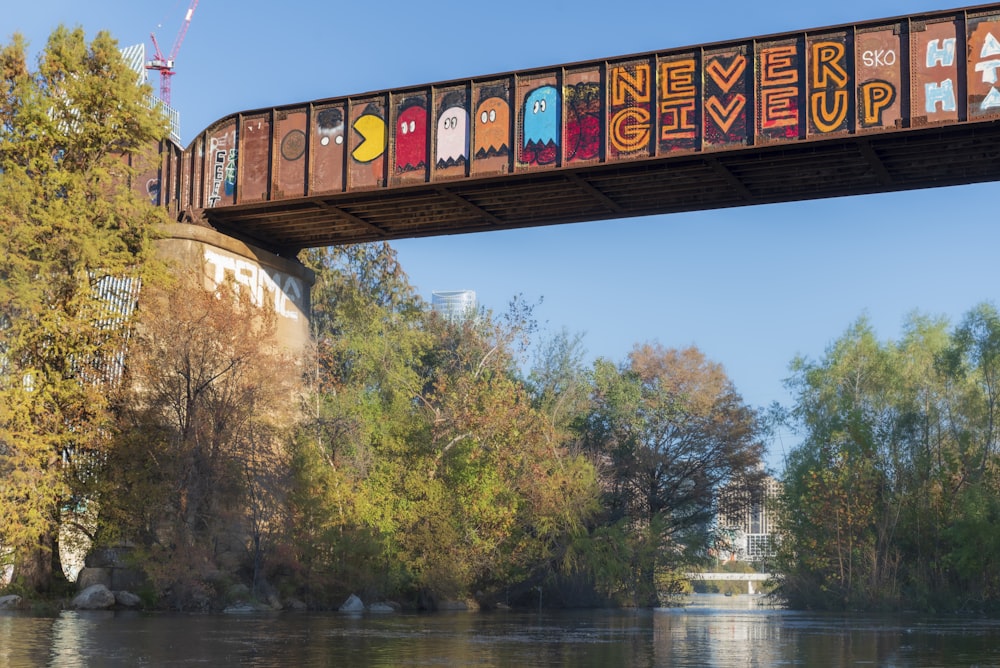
452	137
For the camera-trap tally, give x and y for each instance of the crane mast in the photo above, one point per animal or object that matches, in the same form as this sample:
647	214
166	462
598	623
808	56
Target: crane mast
165	64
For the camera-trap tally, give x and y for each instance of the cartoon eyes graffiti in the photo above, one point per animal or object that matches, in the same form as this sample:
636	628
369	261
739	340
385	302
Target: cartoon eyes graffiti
330	123
539	107
411	140
493	132
453	137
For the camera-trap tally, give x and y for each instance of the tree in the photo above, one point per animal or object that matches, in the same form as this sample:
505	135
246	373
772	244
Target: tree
890	500
197	477
560	383
427	471
844	476
348	496
670	431
70	227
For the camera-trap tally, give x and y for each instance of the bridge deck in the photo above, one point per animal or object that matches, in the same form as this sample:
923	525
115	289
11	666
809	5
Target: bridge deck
887	105
921	158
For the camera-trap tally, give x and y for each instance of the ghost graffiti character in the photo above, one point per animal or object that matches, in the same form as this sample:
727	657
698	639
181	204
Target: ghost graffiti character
541	126
411	136
492	127
453	132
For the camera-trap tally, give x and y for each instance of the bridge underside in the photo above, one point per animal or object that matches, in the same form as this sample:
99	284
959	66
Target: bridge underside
858	164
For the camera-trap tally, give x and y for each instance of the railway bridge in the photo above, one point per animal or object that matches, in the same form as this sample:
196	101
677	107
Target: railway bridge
887	105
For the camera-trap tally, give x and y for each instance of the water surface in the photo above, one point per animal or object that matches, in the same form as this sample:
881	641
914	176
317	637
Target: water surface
710	631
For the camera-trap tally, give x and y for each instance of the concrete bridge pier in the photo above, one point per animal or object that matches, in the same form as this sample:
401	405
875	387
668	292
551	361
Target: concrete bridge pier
273	282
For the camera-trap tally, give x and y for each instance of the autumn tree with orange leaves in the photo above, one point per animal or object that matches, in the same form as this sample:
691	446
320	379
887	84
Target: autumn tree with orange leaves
670	431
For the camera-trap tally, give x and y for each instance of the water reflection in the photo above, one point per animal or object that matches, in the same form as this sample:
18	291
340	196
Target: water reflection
710	631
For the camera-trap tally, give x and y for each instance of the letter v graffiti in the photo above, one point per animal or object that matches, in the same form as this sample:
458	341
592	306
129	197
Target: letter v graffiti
725	115
724	107
725	77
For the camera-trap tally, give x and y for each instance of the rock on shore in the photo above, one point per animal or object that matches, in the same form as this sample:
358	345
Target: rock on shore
94	597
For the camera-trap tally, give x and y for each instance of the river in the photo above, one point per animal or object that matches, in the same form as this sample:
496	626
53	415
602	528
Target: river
710	630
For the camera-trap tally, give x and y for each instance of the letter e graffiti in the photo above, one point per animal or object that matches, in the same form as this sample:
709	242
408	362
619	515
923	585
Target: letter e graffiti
778	67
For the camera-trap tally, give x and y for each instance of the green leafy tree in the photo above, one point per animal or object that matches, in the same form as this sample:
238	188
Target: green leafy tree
560	383
72	132
364	410
518	493
890	499
671	431
426	471
845	475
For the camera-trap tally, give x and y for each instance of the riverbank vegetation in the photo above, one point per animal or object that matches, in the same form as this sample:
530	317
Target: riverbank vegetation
893	498
407	456
74	247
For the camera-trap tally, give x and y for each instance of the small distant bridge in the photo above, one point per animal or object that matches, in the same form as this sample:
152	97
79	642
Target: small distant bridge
749	578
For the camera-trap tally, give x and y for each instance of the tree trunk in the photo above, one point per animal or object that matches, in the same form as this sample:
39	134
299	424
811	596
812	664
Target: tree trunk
40	567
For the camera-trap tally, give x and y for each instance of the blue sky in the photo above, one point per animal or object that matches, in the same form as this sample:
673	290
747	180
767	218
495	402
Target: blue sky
752	287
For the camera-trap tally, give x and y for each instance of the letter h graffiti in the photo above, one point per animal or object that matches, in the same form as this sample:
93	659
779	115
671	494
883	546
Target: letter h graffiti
940	53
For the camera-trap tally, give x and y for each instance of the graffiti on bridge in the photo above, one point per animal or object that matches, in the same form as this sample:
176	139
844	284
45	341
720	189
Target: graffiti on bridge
876	77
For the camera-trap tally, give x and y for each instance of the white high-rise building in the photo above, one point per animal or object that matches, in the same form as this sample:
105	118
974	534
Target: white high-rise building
752	531
454	304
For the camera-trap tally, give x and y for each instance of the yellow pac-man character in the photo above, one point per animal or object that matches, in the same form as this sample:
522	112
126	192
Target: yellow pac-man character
372	131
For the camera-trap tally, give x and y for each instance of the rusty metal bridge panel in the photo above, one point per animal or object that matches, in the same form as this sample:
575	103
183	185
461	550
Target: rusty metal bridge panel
896	104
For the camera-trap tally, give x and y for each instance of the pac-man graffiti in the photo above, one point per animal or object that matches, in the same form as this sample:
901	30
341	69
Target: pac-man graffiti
411	135
330	126
370	126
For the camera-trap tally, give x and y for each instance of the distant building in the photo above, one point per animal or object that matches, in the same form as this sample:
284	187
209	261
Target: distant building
454	305
751	533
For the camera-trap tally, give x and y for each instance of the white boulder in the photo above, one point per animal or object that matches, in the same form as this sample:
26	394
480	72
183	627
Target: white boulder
94	597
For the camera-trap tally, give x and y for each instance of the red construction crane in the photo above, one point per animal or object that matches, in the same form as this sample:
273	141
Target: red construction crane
165	65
